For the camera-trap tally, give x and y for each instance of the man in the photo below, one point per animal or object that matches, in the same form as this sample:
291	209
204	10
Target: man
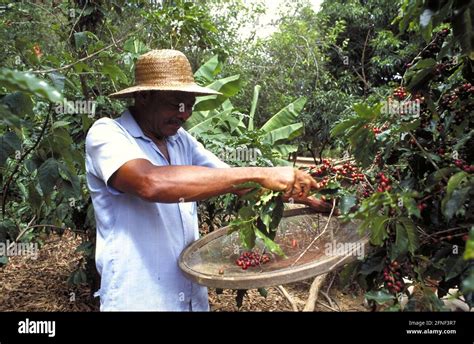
145	173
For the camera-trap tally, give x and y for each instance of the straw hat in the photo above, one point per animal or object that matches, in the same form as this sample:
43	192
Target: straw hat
164	70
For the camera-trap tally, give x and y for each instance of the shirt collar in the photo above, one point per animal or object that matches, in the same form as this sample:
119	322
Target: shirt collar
130	124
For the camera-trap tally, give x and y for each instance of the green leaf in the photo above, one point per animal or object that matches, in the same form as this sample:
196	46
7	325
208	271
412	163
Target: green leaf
8	230
80	39
410	233
286	116
393	308
229	86
48	175
277	213
12	140
8	119
263	292
285	150
62	138
380	296
378	230
72	178
424	63
266	219
418	78
409	126
469	252
285	133
443	173
364	111
455	180
246	212
208	103
463	140
247	235
251	195
59	124
270	244
372	264
135	46
455	194
265	197
58	80
34	198
201	122
344	125
401	242
411	206
452	205
19	103
253	107
248	185
26	82
9	143
114	72
454	267
364	146
209	70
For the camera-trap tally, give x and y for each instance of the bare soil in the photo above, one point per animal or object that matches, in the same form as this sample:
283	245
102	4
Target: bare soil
32	285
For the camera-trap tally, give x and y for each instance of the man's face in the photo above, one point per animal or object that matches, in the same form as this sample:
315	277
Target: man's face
166	111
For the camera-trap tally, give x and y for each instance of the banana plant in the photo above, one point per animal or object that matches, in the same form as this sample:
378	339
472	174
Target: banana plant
216	115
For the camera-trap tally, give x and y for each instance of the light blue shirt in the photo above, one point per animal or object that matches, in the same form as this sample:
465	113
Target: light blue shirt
139	242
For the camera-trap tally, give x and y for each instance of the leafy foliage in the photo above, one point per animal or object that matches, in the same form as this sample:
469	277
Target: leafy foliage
420	216
394	95
79	52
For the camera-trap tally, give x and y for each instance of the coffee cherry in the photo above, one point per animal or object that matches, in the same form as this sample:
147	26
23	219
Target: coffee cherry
392	277
384	183
421	206
251	259
400	93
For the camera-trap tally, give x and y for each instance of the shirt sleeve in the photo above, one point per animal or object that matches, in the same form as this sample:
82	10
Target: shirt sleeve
108	147
202	156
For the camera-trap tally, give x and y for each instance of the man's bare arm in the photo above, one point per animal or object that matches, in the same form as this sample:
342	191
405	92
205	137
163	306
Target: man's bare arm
169	184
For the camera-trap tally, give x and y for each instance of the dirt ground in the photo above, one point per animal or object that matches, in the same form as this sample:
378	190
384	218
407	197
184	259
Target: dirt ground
28	284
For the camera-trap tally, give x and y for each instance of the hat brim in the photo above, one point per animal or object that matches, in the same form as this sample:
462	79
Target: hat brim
193	88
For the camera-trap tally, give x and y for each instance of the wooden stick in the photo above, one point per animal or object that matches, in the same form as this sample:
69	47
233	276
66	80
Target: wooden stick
318	236
328	307
288	297
313	293
326	296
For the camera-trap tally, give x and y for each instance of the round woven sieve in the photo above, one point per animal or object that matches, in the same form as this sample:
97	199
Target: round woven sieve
211	260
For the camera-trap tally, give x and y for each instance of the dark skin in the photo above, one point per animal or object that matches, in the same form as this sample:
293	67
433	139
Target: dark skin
161	114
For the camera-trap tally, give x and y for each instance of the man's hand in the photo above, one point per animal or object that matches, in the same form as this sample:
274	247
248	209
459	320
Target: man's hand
317	204
293	182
